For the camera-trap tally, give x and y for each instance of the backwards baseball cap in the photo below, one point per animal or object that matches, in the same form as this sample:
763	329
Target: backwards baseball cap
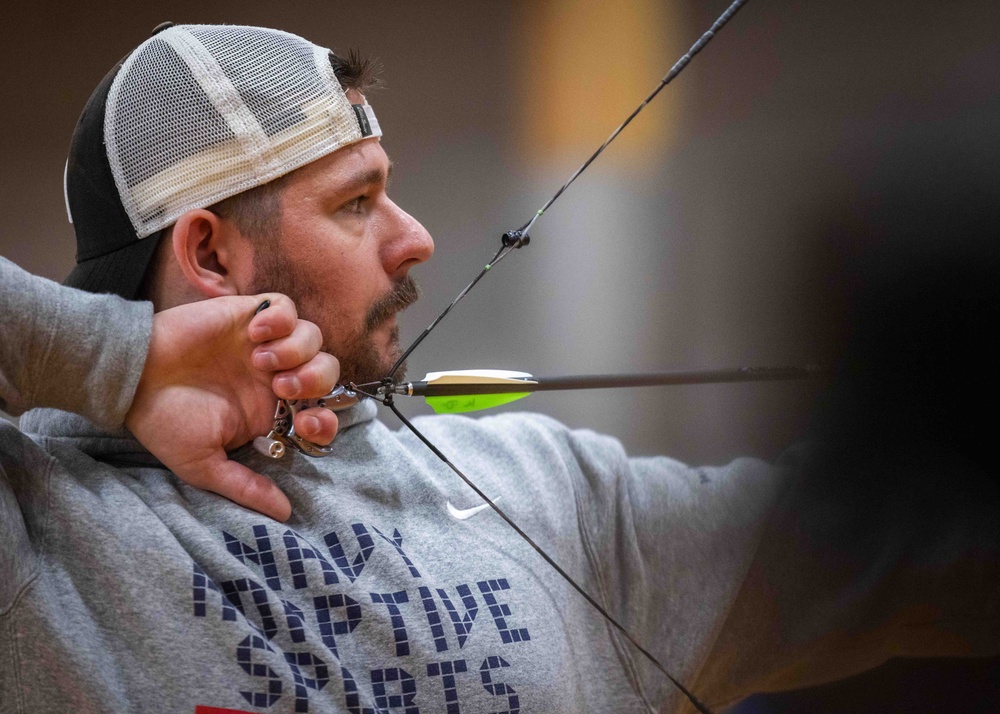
194	115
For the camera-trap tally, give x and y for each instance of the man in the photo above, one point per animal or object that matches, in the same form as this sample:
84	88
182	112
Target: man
254	156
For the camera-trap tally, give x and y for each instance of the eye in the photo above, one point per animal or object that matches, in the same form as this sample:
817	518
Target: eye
356	206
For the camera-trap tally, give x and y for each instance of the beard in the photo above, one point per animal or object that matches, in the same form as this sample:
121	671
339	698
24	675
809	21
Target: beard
366	363
361	360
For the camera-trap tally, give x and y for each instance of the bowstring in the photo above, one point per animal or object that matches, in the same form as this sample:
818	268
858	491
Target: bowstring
511	241
678	67
388	401
501	254
517	238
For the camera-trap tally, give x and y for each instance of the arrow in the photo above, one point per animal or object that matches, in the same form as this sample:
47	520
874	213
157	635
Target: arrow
472	390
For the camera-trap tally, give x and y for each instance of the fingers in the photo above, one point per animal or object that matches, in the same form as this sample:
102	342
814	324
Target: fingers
304	371
316	378
239	484
290	351
278	320
318	425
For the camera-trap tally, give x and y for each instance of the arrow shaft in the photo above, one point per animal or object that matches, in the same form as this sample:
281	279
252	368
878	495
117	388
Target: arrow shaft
616	381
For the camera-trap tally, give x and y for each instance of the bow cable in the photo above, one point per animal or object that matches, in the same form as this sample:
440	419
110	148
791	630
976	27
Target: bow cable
548	559
515	239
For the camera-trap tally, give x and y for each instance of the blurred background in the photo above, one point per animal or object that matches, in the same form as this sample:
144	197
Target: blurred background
731	225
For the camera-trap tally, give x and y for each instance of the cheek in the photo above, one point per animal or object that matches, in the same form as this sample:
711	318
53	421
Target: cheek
333	298
337	276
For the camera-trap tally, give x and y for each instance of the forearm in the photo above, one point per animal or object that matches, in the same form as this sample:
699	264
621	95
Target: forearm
67	349
889	560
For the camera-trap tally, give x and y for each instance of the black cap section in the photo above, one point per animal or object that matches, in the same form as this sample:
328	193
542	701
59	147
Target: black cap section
110	257
120	272
161	27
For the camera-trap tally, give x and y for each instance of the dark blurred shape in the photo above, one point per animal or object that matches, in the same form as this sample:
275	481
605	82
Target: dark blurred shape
919	375
924	686
915	393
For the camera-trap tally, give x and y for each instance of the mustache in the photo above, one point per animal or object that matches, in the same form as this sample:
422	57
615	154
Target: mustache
403	294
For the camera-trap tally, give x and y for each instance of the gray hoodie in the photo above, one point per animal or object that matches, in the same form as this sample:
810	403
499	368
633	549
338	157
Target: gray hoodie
123	589
131	591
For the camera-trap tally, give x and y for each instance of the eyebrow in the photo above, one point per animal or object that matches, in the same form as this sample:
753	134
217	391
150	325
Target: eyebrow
364	179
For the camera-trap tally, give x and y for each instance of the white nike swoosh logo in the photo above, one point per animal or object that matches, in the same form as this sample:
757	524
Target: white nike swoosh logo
468	512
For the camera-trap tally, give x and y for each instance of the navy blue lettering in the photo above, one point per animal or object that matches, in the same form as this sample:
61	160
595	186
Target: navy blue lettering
499	689
381	678
327	627
201	584
397	542
258	595
351	570
391	600
461	623
321	675
446	671
501	611
244	656
295	620
352	697
263	555
433	619
298	553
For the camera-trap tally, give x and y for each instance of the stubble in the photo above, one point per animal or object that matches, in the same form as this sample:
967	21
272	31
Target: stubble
361	361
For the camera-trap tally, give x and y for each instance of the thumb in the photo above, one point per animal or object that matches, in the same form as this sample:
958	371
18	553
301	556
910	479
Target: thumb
236	482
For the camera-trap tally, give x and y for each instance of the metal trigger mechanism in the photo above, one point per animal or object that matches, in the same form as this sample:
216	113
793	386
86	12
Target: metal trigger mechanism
283	435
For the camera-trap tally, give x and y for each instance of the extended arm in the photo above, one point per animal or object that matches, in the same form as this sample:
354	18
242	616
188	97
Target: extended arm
751	577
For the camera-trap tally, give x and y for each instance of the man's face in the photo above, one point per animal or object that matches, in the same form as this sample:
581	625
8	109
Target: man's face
344	253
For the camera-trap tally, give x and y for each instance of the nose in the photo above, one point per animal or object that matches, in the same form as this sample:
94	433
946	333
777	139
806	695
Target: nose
407	242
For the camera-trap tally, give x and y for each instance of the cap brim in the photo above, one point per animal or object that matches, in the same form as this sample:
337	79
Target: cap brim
120	272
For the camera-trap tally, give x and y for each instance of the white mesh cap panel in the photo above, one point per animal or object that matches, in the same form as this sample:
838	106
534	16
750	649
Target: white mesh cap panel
199	113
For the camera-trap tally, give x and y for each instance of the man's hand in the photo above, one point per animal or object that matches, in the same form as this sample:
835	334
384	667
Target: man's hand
207	387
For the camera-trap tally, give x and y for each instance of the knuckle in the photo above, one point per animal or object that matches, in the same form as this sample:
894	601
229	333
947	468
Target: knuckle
312	380
327	430
327	368
282	310
311	334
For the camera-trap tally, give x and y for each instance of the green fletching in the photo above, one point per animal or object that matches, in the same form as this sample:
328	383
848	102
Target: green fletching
472	402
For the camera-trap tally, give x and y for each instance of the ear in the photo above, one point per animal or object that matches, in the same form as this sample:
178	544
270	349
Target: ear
211	254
